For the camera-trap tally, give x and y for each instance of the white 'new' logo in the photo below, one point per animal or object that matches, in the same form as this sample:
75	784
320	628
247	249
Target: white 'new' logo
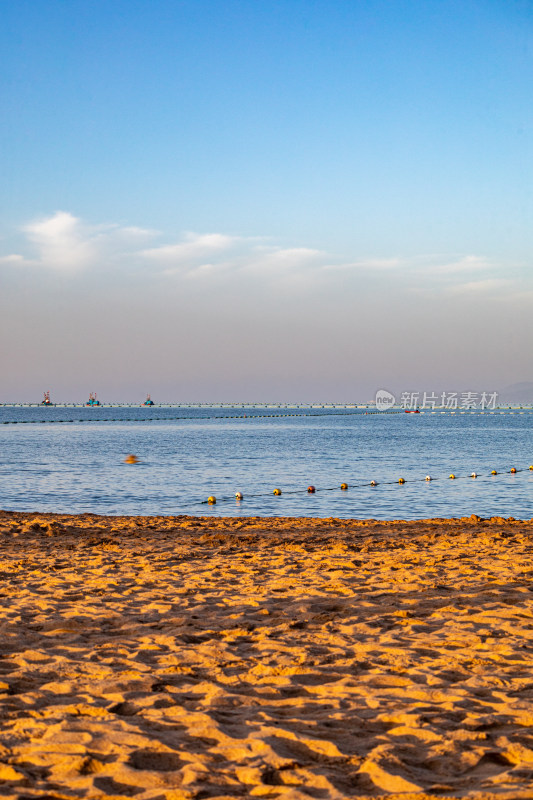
384	400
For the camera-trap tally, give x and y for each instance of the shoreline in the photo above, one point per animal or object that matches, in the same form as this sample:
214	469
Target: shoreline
86	515
173	658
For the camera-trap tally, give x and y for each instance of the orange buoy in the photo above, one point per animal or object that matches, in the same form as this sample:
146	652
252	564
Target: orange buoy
344	485
473	475
513	470
401	480
277	491
211	500
131	459
429	478
311	489
375	483
239	495
452	476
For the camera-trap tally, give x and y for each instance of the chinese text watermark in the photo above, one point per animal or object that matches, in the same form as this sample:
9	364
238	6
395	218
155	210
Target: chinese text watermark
410	401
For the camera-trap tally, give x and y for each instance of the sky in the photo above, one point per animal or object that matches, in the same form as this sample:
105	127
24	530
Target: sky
292	200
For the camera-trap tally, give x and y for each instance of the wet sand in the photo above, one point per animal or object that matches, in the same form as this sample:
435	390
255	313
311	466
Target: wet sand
179	657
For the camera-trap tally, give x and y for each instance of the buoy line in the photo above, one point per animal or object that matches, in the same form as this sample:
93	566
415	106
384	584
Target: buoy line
195	418
213	500
347	413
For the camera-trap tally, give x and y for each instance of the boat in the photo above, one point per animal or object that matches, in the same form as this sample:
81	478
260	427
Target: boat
46	400
148	401
412	411
92	401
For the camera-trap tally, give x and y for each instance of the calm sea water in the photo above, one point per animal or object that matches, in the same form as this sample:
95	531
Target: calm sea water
78	466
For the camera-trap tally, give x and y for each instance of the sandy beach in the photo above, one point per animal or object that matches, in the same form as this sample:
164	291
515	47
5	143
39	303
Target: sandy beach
180	657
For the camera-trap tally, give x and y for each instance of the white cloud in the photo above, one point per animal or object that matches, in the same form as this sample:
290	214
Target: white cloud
426	264
369	264
64	243
194	246
486	285
231	255
13	258
276	260
463	264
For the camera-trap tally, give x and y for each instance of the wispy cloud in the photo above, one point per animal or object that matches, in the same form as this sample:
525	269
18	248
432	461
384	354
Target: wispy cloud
66	244
486	285
187	253
14	258
281	262
462	264
214	254
430	264
366	265
62	242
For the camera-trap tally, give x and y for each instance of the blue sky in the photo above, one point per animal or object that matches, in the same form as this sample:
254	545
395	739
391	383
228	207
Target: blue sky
213	199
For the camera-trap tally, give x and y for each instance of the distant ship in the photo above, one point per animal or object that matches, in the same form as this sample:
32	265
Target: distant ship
92	401
46	400
148	401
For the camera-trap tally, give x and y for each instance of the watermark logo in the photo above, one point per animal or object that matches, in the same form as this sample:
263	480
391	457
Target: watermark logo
411	401
466	401
384	400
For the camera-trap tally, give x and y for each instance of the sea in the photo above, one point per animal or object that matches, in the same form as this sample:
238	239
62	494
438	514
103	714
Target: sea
71	459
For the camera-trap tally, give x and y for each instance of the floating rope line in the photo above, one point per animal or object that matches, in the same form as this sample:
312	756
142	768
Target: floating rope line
154	419
173	419
196	419
212	500
347	413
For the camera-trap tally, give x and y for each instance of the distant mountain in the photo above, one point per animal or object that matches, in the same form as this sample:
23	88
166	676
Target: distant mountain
517	393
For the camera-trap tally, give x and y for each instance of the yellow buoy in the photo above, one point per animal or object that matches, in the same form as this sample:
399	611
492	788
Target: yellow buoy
429	478
277	491
452	476
493	472
513	470
344	485
239	495
473	475
131	459
531	468
375	483
401	480
211	500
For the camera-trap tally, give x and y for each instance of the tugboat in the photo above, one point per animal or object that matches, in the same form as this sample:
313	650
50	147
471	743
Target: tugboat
46	400
92	401
148	401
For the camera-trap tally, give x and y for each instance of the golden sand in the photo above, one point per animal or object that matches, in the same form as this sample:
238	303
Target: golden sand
181	657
